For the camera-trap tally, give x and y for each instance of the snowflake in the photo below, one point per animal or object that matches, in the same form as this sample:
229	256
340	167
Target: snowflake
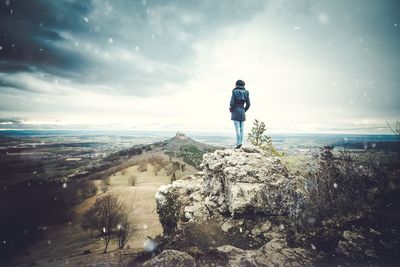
149	245
335	185
86	19
110	40
323	18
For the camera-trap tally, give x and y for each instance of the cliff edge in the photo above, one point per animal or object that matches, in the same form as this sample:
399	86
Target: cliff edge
235	209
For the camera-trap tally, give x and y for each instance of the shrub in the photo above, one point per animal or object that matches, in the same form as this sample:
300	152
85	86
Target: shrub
132	180
142	167
257	138
334	186
169	214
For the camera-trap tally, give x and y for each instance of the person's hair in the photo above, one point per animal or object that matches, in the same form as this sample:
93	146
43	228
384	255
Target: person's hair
240	83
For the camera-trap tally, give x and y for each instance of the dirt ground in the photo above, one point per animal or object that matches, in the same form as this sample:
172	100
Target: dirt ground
65	244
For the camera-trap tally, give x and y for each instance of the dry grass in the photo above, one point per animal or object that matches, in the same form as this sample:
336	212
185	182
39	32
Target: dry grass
69	241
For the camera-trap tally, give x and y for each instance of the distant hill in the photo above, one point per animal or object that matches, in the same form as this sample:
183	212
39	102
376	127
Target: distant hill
179	146
179	141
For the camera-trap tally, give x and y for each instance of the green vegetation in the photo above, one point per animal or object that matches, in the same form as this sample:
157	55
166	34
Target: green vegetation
257	138
191	155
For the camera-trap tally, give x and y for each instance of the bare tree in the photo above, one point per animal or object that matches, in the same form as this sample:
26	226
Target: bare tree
123	233
395	128
396	131
104	216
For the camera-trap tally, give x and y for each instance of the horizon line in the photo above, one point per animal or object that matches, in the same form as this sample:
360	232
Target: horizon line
196	131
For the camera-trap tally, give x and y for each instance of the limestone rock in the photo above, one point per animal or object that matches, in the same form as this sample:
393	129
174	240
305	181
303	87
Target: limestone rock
171	258
354	245
249	180
274	253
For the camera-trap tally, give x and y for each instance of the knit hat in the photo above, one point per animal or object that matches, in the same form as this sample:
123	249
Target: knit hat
240	83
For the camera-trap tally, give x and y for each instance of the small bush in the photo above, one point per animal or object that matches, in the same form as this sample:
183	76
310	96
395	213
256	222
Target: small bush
132	180
142	167
169	214
257	138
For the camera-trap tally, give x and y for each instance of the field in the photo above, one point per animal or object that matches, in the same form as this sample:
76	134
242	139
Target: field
67	242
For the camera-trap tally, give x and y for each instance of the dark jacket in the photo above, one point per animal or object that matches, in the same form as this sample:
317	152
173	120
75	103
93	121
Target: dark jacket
240	103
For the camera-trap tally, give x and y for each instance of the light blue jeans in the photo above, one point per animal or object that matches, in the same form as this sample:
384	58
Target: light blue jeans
239	127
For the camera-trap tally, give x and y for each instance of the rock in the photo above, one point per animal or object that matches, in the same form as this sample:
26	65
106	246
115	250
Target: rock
238	190
261	229
171	258
240	182
227	225
274	253
355	246
249	180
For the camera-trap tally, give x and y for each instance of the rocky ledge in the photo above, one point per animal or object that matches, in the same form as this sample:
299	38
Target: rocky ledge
241	192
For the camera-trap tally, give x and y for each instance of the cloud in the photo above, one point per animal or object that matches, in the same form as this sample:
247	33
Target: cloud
174	62
135	47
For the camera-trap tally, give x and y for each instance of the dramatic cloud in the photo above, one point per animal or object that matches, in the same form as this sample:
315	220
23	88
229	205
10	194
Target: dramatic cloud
309	65
134	47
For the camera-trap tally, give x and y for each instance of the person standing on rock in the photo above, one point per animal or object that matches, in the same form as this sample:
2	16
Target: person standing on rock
240	97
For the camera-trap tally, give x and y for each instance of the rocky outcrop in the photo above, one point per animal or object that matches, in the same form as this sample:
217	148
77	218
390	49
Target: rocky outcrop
250	180
233	186
237	182
246	209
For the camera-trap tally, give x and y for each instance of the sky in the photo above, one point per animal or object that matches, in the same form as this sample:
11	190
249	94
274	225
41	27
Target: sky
309	66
